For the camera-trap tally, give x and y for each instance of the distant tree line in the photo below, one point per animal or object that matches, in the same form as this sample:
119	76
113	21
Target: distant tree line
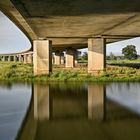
129	52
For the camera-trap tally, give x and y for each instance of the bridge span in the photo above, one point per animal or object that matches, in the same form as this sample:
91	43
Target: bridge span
53	25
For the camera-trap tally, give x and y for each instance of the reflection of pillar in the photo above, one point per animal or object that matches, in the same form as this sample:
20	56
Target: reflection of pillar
96	55
42	58
96	101
57	58
69	58
41	102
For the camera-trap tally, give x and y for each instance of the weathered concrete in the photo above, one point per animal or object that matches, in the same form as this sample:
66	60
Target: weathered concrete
96	55
42	58
96	99
69	58
57	58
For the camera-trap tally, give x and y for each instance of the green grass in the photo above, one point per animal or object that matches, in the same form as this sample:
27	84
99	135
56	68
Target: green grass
124	61
10	71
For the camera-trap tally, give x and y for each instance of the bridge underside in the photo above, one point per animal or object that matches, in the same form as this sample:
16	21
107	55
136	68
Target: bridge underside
71	23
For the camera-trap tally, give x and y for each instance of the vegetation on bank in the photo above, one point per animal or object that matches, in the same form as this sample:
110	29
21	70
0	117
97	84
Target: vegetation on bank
10	71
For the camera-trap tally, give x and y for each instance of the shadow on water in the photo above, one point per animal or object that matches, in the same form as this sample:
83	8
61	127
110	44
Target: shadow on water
70	111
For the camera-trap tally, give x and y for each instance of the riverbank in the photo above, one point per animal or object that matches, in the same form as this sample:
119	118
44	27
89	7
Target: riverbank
10	71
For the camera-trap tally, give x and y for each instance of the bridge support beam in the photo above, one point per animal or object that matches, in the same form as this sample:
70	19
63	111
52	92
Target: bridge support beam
57	58
42	59
70	58
96	55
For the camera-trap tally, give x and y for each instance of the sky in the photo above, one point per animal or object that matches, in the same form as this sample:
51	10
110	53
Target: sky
12	40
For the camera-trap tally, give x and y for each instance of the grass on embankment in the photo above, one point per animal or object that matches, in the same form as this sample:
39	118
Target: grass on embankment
10	71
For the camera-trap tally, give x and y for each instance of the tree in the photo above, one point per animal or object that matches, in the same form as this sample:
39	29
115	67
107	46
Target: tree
85	56
112	56
130	52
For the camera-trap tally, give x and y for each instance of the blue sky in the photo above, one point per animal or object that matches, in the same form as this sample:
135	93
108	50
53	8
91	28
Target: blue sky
12	40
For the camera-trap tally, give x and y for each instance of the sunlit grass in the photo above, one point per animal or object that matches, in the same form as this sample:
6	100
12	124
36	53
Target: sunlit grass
23	72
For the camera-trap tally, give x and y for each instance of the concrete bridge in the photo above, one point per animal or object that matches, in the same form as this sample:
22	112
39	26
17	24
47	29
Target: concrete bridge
72	24
19	57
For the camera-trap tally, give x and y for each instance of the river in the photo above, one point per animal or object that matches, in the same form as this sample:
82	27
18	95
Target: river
70	111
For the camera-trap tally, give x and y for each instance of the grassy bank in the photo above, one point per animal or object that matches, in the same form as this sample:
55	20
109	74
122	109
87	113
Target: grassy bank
21	72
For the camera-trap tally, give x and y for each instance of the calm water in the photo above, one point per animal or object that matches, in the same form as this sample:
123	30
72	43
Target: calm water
70	111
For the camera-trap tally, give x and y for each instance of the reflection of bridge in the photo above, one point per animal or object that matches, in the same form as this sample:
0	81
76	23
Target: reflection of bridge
55	106
72	24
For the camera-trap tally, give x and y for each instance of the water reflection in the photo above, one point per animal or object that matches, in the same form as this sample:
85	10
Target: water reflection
90	101
41	102
76	111
14	101
82	111
96	101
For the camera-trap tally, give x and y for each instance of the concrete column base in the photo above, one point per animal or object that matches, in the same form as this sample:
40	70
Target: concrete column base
69	58
42	59
96	55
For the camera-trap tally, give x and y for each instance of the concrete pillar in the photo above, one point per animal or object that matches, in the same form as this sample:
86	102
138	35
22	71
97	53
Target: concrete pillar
4	58
25	58
57	58
96	102
42	58
76	57
96	55
20	58
14	58
29	58
70	58
8	58
41	102
52	58
62	58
